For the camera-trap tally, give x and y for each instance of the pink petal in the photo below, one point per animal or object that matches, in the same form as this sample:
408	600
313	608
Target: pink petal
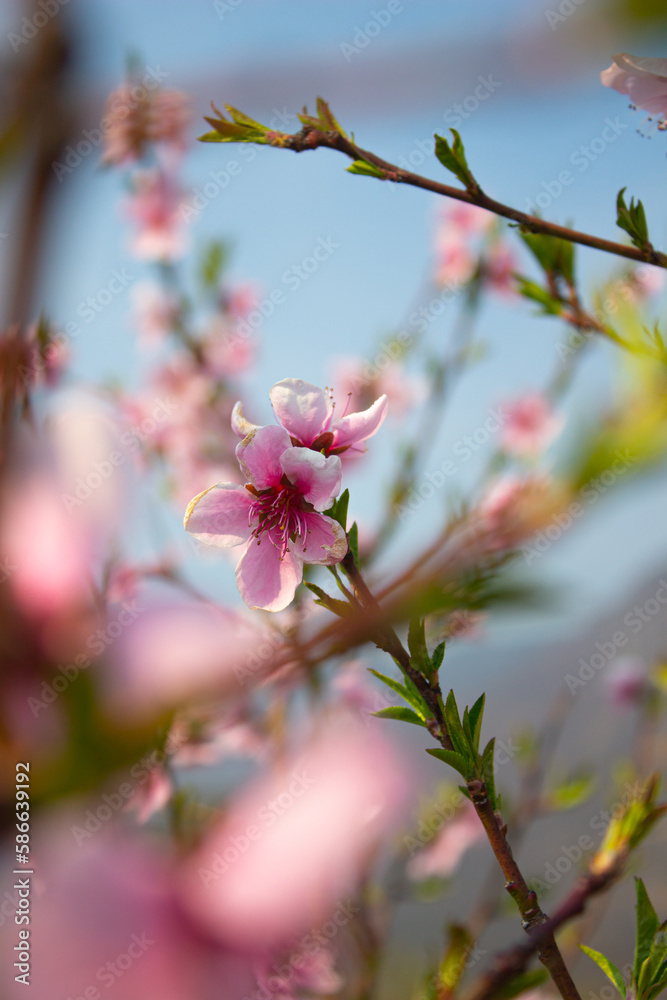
219	515
303	409
317	477
359	426
326	542
240	425
264	580
259	455
644	80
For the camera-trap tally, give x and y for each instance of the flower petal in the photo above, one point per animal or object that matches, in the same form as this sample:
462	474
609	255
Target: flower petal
303	409
259	455
316	476
326	542
264	580
240	425
359	426
644	80
219	515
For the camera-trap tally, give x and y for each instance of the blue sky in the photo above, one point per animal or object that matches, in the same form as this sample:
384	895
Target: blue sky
270	58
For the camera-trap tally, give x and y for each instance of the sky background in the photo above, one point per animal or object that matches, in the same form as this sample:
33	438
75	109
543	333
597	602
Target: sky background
270	59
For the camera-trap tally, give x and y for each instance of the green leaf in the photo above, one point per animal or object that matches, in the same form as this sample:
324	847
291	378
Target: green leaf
438	656
487	772
455	760
213	261
353	542
555	256
476	715
530	290
573	792
454	727
402	691
366	169
632	219
648	925
419	657
520	984
453	964
399	713
609	969
340	608
338	509
453	158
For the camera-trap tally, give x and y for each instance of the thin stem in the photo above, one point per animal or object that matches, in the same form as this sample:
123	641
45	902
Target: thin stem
525	898
310	138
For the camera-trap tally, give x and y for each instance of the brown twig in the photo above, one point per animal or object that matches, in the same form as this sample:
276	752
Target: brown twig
310	138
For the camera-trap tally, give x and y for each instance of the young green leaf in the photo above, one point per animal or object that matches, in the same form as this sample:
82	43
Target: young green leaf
647	927
438	657
454	727
402	691
476	715
367	169
453	158
399	713
455	760
353	542
419	657
609	969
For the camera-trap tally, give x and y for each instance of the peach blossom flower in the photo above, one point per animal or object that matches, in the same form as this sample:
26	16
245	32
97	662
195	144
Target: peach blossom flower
442	857
277	516
154	206
643	79
530	425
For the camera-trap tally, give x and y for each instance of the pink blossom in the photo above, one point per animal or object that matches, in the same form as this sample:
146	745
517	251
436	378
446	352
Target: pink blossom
151	796
174	652
293	973
530	425
626	681
500	264
465	220
156	311
442	857
296	841
454	264
106	911
47	556
226	353
135	117
308	414
155	207
277	516
643	79
363	382
514	507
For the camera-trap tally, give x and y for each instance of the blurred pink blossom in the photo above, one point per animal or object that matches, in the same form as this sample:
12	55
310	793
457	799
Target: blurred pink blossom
176	652
226	353
48	557
156	311
442	857
363	382
530	425
500	264
135	116
152	795
297	840
454	264
277	516
643	79
300	971
155	208
626	681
